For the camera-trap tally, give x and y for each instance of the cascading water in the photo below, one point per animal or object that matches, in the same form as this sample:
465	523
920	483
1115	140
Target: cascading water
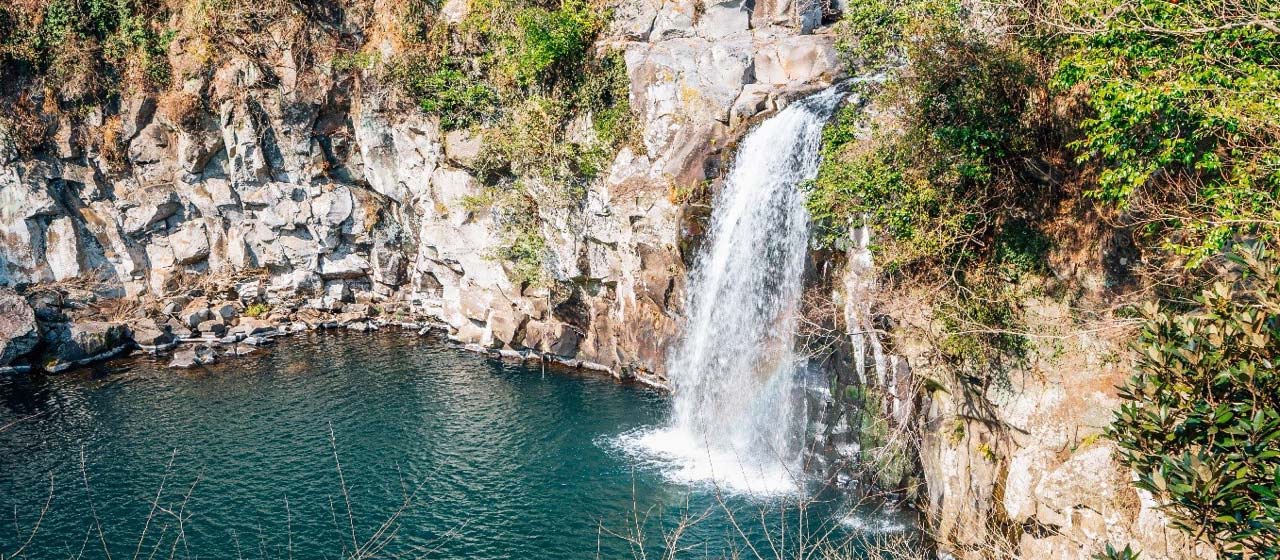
735	419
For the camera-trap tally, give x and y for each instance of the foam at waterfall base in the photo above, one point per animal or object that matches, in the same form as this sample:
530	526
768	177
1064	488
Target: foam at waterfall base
872	525
684	458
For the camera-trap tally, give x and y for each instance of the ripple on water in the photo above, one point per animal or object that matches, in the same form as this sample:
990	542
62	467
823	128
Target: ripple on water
507	462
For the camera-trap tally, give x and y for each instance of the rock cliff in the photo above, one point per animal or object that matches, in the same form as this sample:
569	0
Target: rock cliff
304	187
1011	460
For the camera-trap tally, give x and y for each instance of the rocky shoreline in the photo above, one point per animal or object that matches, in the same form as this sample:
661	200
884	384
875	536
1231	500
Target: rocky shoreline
56	331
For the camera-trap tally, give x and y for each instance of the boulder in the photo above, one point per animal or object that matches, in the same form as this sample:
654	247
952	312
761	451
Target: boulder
260	340
248	326
794	60
225	311
152	337
508	327
195	314
753	99
148	206
190	244
240	350
76	344
249	291
462	147
332	208
347	318
361	309
62	248
18	330
178	328
347	266
194	356
1088	479
213	326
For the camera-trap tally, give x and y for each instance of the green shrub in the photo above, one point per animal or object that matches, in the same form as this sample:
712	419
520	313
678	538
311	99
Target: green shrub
1200	423
522	74
515	214
551	41
932	182
256	310
84	44
1184	97
1021	248
346	62
1111	553
445	90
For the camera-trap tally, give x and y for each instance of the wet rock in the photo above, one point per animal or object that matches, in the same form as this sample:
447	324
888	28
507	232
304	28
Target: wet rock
178	328
194	356
241	350
152	337
19	333
259	340
77	344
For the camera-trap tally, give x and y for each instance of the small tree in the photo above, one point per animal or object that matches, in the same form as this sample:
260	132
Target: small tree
1201	421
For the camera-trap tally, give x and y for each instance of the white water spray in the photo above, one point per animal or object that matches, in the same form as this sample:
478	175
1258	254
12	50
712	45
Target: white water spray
735	420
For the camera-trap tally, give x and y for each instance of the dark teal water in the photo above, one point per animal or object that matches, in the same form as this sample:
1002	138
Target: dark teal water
443	453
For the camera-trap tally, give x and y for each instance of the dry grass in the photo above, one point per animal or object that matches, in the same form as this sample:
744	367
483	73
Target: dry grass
180	109
111	145
24	123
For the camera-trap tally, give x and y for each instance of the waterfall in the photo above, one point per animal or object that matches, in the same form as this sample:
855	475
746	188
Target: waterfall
735	419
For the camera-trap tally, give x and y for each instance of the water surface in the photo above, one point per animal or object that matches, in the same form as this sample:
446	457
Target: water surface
443	454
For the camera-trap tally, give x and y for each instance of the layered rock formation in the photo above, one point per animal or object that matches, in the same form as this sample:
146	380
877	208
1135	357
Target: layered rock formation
321	189
1013	464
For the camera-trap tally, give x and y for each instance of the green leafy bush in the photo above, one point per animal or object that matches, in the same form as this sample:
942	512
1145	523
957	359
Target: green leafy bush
1022	249
1112	553
256	310
930	181
548	41
523	246
447	91
551	113
1201	420
1184	99
90	48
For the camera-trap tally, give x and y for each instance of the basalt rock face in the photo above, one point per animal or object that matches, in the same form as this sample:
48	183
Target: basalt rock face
1006	463
329	189
19	332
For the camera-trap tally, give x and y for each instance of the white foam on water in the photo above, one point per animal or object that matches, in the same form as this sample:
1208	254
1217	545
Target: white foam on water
736	418
862	524
684	459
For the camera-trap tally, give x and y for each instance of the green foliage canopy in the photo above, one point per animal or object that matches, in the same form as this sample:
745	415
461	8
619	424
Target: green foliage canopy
1185	103
926	181
1201	420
